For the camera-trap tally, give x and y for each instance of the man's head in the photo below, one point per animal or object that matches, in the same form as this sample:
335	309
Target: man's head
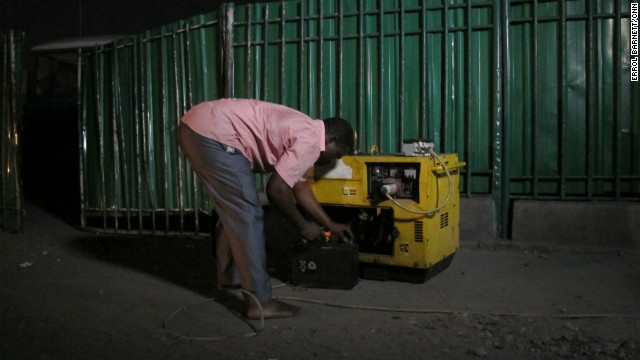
338	140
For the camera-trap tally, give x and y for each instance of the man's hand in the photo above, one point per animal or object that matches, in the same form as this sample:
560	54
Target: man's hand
312	232
342	231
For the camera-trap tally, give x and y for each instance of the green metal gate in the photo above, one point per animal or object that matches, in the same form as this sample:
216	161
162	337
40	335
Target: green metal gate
11	197
534	95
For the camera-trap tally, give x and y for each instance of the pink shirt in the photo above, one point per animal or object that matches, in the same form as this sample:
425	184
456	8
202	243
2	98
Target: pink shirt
271	136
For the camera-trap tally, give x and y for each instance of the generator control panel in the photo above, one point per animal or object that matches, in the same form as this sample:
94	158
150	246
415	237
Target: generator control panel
404	176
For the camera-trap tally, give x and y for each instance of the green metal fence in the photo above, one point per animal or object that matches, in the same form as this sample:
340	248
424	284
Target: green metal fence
534	95
11	197
134	92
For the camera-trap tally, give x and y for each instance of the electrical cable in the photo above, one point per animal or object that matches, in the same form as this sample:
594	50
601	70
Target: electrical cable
446	170
373	308
452	312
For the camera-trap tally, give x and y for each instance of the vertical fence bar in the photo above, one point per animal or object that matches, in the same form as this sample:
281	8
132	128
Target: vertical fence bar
467	101
10	131
423	128
301	62
617	125
227	31
147	128
534	100
122	144
381	92
320	104
82	123
506	120
177	92
186	54
340	55
204	58
15	128
4	126
360	77
444	89
590	157
99	69
136	116
283	75
562	101
114	138
187	103
205	96
163	131
248	59
402	76
265	57
497	191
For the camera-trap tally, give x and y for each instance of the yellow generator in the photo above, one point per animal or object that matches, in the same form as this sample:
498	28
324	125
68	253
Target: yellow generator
403	209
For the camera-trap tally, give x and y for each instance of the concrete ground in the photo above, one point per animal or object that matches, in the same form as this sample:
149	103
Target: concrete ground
67	294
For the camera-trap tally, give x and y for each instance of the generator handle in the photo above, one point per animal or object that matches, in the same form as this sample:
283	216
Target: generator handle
440	169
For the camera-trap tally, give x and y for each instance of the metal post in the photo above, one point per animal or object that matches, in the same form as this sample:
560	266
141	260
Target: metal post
497	184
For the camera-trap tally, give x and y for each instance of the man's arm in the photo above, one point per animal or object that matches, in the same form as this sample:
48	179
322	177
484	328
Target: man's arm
305	197
280	194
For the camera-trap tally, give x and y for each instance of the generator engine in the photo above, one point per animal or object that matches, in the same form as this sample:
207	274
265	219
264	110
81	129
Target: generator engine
403	209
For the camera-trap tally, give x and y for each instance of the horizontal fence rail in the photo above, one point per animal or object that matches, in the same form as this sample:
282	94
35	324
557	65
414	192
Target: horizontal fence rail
533	95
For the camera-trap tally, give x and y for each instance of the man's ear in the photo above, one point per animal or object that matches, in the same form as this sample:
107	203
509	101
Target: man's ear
331	138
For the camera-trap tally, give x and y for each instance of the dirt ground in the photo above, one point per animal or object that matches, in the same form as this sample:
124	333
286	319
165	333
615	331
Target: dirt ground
67	294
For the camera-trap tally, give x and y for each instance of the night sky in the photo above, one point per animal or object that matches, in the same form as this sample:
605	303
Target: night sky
49	20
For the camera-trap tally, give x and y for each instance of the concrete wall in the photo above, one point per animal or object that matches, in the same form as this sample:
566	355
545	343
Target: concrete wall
562	223
611	224
477	220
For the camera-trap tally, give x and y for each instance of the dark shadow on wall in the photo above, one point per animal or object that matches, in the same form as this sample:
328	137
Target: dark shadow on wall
50	156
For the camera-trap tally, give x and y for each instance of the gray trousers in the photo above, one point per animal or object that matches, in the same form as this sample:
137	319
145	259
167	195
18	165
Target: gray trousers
240	243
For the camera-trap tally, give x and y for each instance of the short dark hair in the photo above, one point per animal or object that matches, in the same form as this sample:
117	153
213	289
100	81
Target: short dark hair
342	130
